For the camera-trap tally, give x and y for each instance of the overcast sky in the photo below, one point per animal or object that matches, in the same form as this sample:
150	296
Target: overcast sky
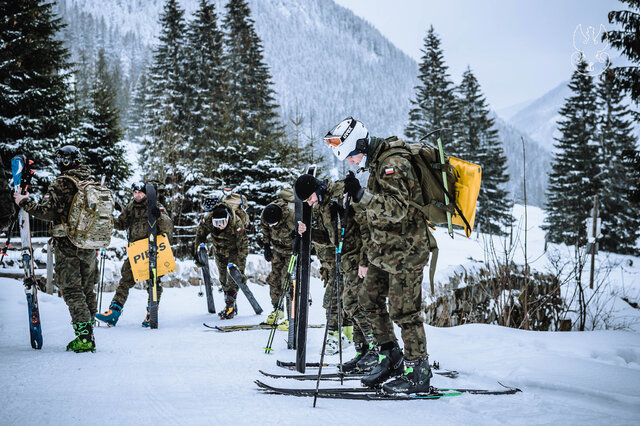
518	49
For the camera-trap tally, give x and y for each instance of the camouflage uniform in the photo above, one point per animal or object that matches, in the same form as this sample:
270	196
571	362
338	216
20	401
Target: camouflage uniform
354	255
230	244
280	238
75	268
398	251
324	240
134	219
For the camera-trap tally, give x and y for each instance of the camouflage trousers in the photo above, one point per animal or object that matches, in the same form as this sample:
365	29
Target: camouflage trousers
405	308
352	285
225	280
127	282
76	276
278	276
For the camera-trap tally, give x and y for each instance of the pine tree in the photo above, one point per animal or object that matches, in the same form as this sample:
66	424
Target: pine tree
205	84
627	40
574	179
434	105
34	71
248	154
101	133
166	138
620	219
478	142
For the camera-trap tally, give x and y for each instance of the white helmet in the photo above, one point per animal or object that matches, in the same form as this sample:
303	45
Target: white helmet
343	139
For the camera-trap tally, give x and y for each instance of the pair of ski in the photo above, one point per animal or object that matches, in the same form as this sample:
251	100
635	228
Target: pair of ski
355	375
371	394
21	168
249	327
235	275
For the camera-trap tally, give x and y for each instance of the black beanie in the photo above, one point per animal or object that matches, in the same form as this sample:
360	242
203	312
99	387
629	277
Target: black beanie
219	212
305	186
272	214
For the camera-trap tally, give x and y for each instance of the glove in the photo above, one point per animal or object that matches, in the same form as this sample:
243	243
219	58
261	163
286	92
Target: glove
196	256
352	187
268	254
296	243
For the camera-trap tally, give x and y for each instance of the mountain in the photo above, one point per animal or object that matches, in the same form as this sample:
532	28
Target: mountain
325	62
539	118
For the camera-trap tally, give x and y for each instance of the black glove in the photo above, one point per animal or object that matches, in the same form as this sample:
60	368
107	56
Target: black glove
352	187
268	254
196	256
296	243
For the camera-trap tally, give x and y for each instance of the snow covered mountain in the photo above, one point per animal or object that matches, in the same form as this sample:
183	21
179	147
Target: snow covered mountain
325	62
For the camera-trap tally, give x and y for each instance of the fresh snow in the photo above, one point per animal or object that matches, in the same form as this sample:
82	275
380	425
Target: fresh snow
183	373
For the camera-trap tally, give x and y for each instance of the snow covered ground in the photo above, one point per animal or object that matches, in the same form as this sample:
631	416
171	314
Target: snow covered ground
184	373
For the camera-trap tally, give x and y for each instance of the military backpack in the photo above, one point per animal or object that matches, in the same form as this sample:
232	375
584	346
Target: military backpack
89	223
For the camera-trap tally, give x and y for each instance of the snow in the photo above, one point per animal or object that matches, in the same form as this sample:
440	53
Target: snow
184	373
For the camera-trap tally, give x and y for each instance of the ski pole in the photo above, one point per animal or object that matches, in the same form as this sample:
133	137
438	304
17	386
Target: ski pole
285	290
336	286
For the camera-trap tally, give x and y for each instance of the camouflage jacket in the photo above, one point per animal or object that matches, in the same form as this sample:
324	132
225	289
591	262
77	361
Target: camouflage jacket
280	237
134	219
324	214
228	242
54	206
398	232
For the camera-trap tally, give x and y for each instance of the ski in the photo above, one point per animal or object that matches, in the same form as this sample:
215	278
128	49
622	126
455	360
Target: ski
203	258
302	297
289	365
153	214
237	277
22	172
248	327
377	394
452	374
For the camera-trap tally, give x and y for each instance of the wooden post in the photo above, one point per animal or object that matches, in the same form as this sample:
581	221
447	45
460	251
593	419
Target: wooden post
594	239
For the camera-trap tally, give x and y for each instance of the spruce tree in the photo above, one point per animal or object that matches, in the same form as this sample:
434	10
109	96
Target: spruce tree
252	132
166	140
34	70
434	105
205	83
478	142
627	40
101	142
620	219
574	179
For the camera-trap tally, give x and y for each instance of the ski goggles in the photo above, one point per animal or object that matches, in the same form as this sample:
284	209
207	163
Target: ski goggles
332	140
139	186
220	222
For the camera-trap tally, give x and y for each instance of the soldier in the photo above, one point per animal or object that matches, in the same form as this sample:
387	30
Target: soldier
327	198
134	219
397	253
74	267
226	225
277	235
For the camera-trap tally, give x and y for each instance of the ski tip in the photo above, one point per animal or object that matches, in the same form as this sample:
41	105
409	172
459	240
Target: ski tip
515	390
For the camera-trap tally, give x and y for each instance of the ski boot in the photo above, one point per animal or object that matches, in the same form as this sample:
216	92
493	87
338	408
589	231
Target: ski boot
111	316
284	325
274	316
390	363
352	363
84	341
332	347
416	378
231	309
369	358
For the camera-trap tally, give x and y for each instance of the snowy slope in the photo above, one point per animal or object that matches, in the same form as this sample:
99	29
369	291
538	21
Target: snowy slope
183	373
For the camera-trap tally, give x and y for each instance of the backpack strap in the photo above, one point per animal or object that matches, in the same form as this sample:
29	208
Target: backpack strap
434	250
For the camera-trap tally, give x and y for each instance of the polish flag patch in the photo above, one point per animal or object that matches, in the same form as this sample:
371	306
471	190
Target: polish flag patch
389	171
